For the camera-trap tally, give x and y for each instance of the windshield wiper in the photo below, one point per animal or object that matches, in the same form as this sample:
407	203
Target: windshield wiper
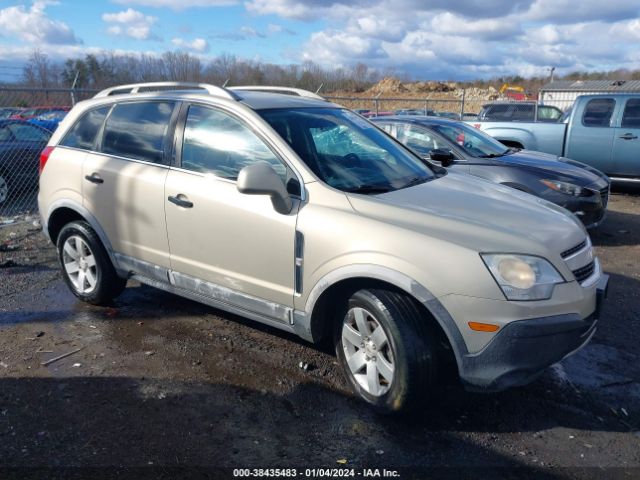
368	189
415	181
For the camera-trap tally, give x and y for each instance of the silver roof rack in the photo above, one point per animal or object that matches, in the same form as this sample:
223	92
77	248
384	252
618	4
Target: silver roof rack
284	90
172	86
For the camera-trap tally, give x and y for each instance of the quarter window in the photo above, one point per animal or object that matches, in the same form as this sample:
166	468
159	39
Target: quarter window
214	142
548	114
598	112
631	115
84	132
138	130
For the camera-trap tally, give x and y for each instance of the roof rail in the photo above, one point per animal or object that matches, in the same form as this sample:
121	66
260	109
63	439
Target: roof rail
284	90
135	88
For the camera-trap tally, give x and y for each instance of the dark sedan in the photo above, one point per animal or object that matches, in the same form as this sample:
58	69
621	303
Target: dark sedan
575	186
20	147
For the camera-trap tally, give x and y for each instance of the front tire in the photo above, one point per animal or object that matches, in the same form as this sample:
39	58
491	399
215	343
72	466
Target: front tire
385	348
86	267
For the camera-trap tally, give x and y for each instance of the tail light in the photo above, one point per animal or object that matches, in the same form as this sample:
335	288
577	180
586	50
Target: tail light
44	156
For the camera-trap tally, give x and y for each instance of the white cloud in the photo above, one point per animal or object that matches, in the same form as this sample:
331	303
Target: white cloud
32	25
131	23
199	45
465	38
251	32
178	4
572	11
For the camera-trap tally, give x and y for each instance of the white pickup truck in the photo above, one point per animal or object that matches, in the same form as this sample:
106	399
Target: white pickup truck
600	130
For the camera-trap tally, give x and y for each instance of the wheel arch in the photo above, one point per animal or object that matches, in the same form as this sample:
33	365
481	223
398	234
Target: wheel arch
64	211
338	284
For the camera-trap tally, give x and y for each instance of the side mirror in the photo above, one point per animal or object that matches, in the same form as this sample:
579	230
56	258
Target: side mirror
442	155
261	179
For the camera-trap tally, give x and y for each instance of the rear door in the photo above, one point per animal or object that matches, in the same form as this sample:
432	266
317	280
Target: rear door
217	234
626	142
123	184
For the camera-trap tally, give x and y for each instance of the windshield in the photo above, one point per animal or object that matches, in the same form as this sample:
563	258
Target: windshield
346	151
474	142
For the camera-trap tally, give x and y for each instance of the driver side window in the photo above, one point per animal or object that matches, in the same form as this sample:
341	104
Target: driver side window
417	139
215	142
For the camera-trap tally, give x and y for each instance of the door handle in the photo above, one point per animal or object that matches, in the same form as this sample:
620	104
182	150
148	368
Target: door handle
180	200
94	178
628	136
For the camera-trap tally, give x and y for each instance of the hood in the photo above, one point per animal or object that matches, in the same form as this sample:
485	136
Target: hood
556	168
476	214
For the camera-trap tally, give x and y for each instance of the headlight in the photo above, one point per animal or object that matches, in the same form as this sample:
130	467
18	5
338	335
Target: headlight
563	187
522	277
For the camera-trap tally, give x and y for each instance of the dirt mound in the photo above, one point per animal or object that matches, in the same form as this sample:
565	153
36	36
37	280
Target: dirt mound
394	85
388	85
428	87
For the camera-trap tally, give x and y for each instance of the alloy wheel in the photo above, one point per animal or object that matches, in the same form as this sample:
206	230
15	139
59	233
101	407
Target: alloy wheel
80	264
368	351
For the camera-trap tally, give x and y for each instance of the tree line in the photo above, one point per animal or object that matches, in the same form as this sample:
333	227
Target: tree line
109	69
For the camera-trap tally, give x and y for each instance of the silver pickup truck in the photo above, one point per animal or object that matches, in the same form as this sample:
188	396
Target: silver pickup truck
600	130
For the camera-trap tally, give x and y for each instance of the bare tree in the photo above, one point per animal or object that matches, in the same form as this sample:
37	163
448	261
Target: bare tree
39	72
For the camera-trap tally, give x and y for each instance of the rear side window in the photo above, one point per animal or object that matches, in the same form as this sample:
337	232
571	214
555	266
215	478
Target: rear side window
217	143
598	112
138	130
83	133
631	115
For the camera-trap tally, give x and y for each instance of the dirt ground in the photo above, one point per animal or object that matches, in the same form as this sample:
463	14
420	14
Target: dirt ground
166	388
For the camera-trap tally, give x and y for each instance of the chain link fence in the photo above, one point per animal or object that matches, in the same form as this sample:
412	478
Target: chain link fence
28	117
377	106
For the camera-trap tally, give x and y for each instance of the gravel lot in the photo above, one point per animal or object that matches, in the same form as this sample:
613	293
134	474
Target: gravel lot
162	382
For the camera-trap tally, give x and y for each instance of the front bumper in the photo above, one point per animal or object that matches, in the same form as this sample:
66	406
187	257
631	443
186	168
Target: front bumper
524	348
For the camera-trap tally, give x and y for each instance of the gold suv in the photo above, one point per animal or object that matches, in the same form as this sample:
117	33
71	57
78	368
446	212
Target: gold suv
277	205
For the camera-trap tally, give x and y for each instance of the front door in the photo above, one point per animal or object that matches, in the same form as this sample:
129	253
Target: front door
217	234
590	136
626	142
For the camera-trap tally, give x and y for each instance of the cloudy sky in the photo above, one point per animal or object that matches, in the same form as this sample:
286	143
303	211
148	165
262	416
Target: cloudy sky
437	39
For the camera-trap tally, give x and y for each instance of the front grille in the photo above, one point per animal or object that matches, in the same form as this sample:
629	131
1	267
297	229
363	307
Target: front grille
585	272
572	250
604	194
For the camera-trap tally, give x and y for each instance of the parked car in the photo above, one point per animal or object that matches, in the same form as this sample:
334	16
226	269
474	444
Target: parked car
50	120
457	146
415	111
519	112
302	215
6	112
381	113
600	130
449	115
32	112
20	147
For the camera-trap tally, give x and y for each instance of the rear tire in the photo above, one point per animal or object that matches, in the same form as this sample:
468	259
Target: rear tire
386	350
86	267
